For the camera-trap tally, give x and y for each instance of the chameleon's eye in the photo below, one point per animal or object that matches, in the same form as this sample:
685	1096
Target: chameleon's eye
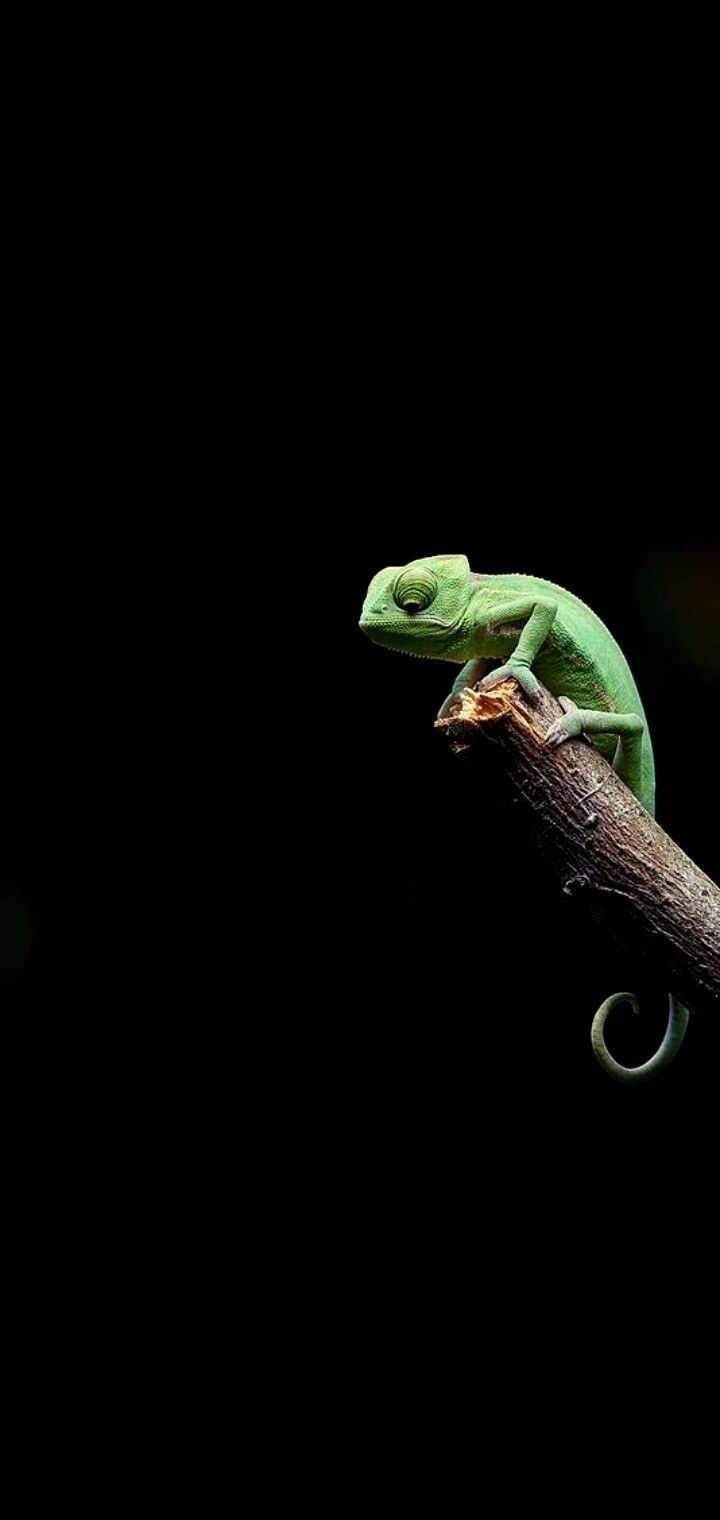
415	589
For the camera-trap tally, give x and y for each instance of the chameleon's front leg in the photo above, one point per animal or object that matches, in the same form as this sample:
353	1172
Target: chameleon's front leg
540	613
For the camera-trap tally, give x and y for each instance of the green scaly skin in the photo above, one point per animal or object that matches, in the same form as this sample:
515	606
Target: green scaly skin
438	609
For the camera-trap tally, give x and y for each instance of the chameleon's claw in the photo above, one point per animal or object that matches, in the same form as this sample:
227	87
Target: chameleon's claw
520	673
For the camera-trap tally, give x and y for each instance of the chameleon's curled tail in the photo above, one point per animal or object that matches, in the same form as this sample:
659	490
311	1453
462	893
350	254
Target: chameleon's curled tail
674	1036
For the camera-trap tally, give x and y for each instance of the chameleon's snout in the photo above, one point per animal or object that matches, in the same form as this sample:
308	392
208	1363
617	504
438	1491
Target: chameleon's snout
374	624
369	618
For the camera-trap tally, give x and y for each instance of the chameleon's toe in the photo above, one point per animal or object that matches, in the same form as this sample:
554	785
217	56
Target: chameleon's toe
520	673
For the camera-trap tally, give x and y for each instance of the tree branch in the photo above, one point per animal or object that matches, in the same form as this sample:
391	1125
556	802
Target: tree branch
606	850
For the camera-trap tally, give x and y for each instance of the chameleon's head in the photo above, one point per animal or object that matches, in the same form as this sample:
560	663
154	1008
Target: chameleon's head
419	608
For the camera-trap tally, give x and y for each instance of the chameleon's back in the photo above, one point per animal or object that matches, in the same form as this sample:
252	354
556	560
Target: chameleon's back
583	661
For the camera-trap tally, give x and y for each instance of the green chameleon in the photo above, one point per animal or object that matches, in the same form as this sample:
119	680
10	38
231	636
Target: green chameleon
439	609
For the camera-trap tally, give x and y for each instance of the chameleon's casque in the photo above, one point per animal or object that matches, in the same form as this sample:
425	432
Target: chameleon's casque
438	608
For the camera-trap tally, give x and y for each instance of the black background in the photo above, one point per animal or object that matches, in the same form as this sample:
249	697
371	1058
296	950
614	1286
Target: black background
235	847
277	1067
265	868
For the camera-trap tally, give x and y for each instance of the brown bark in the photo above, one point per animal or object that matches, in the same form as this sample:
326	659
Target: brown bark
606	850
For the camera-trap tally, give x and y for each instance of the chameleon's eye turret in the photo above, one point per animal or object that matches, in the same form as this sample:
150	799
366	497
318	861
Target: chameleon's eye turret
415	589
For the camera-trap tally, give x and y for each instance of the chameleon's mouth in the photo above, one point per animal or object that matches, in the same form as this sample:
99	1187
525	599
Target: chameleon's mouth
369	624
434	635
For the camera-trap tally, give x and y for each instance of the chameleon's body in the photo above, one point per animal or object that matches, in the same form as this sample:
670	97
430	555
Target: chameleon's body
438	609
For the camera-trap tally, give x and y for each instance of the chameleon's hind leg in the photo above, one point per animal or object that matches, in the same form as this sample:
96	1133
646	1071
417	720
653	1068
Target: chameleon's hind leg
628	727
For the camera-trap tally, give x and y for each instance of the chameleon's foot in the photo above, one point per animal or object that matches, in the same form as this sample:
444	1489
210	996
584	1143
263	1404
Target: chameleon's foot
563	729
520	673
567	727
